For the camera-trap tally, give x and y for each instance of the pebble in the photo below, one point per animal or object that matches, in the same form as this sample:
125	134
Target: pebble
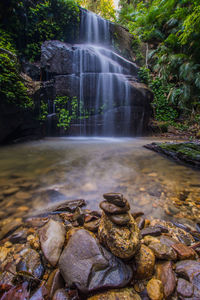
122	219
144	263
10	227
184	288
117	294
155	289
190	270
23	195
10	191
140	222
162	251
153	231
52	237
184	252
115	198
167	276
55	282
110	208
60	295
92	226
30	262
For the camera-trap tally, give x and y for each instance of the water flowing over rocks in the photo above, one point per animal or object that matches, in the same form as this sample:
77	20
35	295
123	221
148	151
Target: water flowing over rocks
89	266
111	100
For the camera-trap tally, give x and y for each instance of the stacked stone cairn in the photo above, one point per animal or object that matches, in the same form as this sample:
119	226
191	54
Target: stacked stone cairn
118	231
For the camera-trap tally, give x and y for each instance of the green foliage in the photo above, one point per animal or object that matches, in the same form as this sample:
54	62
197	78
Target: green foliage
163	109
31	23
171	28
43	111
12	89
104	8
66	110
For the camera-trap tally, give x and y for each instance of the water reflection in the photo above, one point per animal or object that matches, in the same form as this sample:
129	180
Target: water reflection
37	174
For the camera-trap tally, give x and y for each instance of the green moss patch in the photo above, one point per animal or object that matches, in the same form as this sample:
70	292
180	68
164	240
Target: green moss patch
188	153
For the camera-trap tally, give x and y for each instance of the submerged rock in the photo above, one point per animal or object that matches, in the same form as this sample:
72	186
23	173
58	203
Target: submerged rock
10	227
88	266
123	294
122	241
52	237
30	262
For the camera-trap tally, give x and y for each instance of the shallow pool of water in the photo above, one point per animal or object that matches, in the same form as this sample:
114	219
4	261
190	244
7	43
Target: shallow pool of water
37	174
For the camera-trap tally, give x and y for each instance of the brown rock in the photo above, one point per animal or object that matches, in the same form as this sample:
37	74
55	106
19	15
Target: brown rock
115	198
148	239
144	263
122	294
122	219
30	262
10	227
23	196
122	241
92	226
110	208
166	240
3	253
10	191
140	222
162	251
167	276
55	282
155	289
184	252
153	231
185	288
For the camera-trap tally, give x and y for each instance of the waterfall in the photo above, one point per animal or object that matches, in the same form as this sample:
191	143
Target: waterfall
104	89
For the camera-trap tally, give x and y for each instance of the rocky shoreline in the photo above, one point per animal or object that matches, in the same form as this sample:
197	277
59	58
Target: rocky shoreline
72	253
187	153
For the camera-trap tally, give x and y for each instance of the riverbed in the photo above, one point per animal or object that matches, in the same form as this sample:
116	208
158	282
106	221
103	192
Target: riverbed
36	175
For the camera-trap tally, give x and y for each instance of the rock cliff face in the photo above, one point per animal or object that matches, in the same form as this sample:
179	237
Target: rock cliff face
100	73
98	70
17	125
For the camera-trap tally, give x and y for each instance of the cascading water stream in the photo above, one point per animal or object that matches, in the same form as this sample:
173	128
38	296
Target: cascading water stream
103	80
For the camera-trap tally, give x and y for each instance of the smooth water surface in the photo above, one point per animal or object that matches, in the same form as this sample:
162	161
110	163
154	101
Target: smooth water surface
37	174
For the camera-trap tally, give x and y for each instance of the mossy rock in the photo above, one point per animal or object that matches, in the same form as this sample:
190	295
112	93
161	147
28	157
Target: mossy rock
188	153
